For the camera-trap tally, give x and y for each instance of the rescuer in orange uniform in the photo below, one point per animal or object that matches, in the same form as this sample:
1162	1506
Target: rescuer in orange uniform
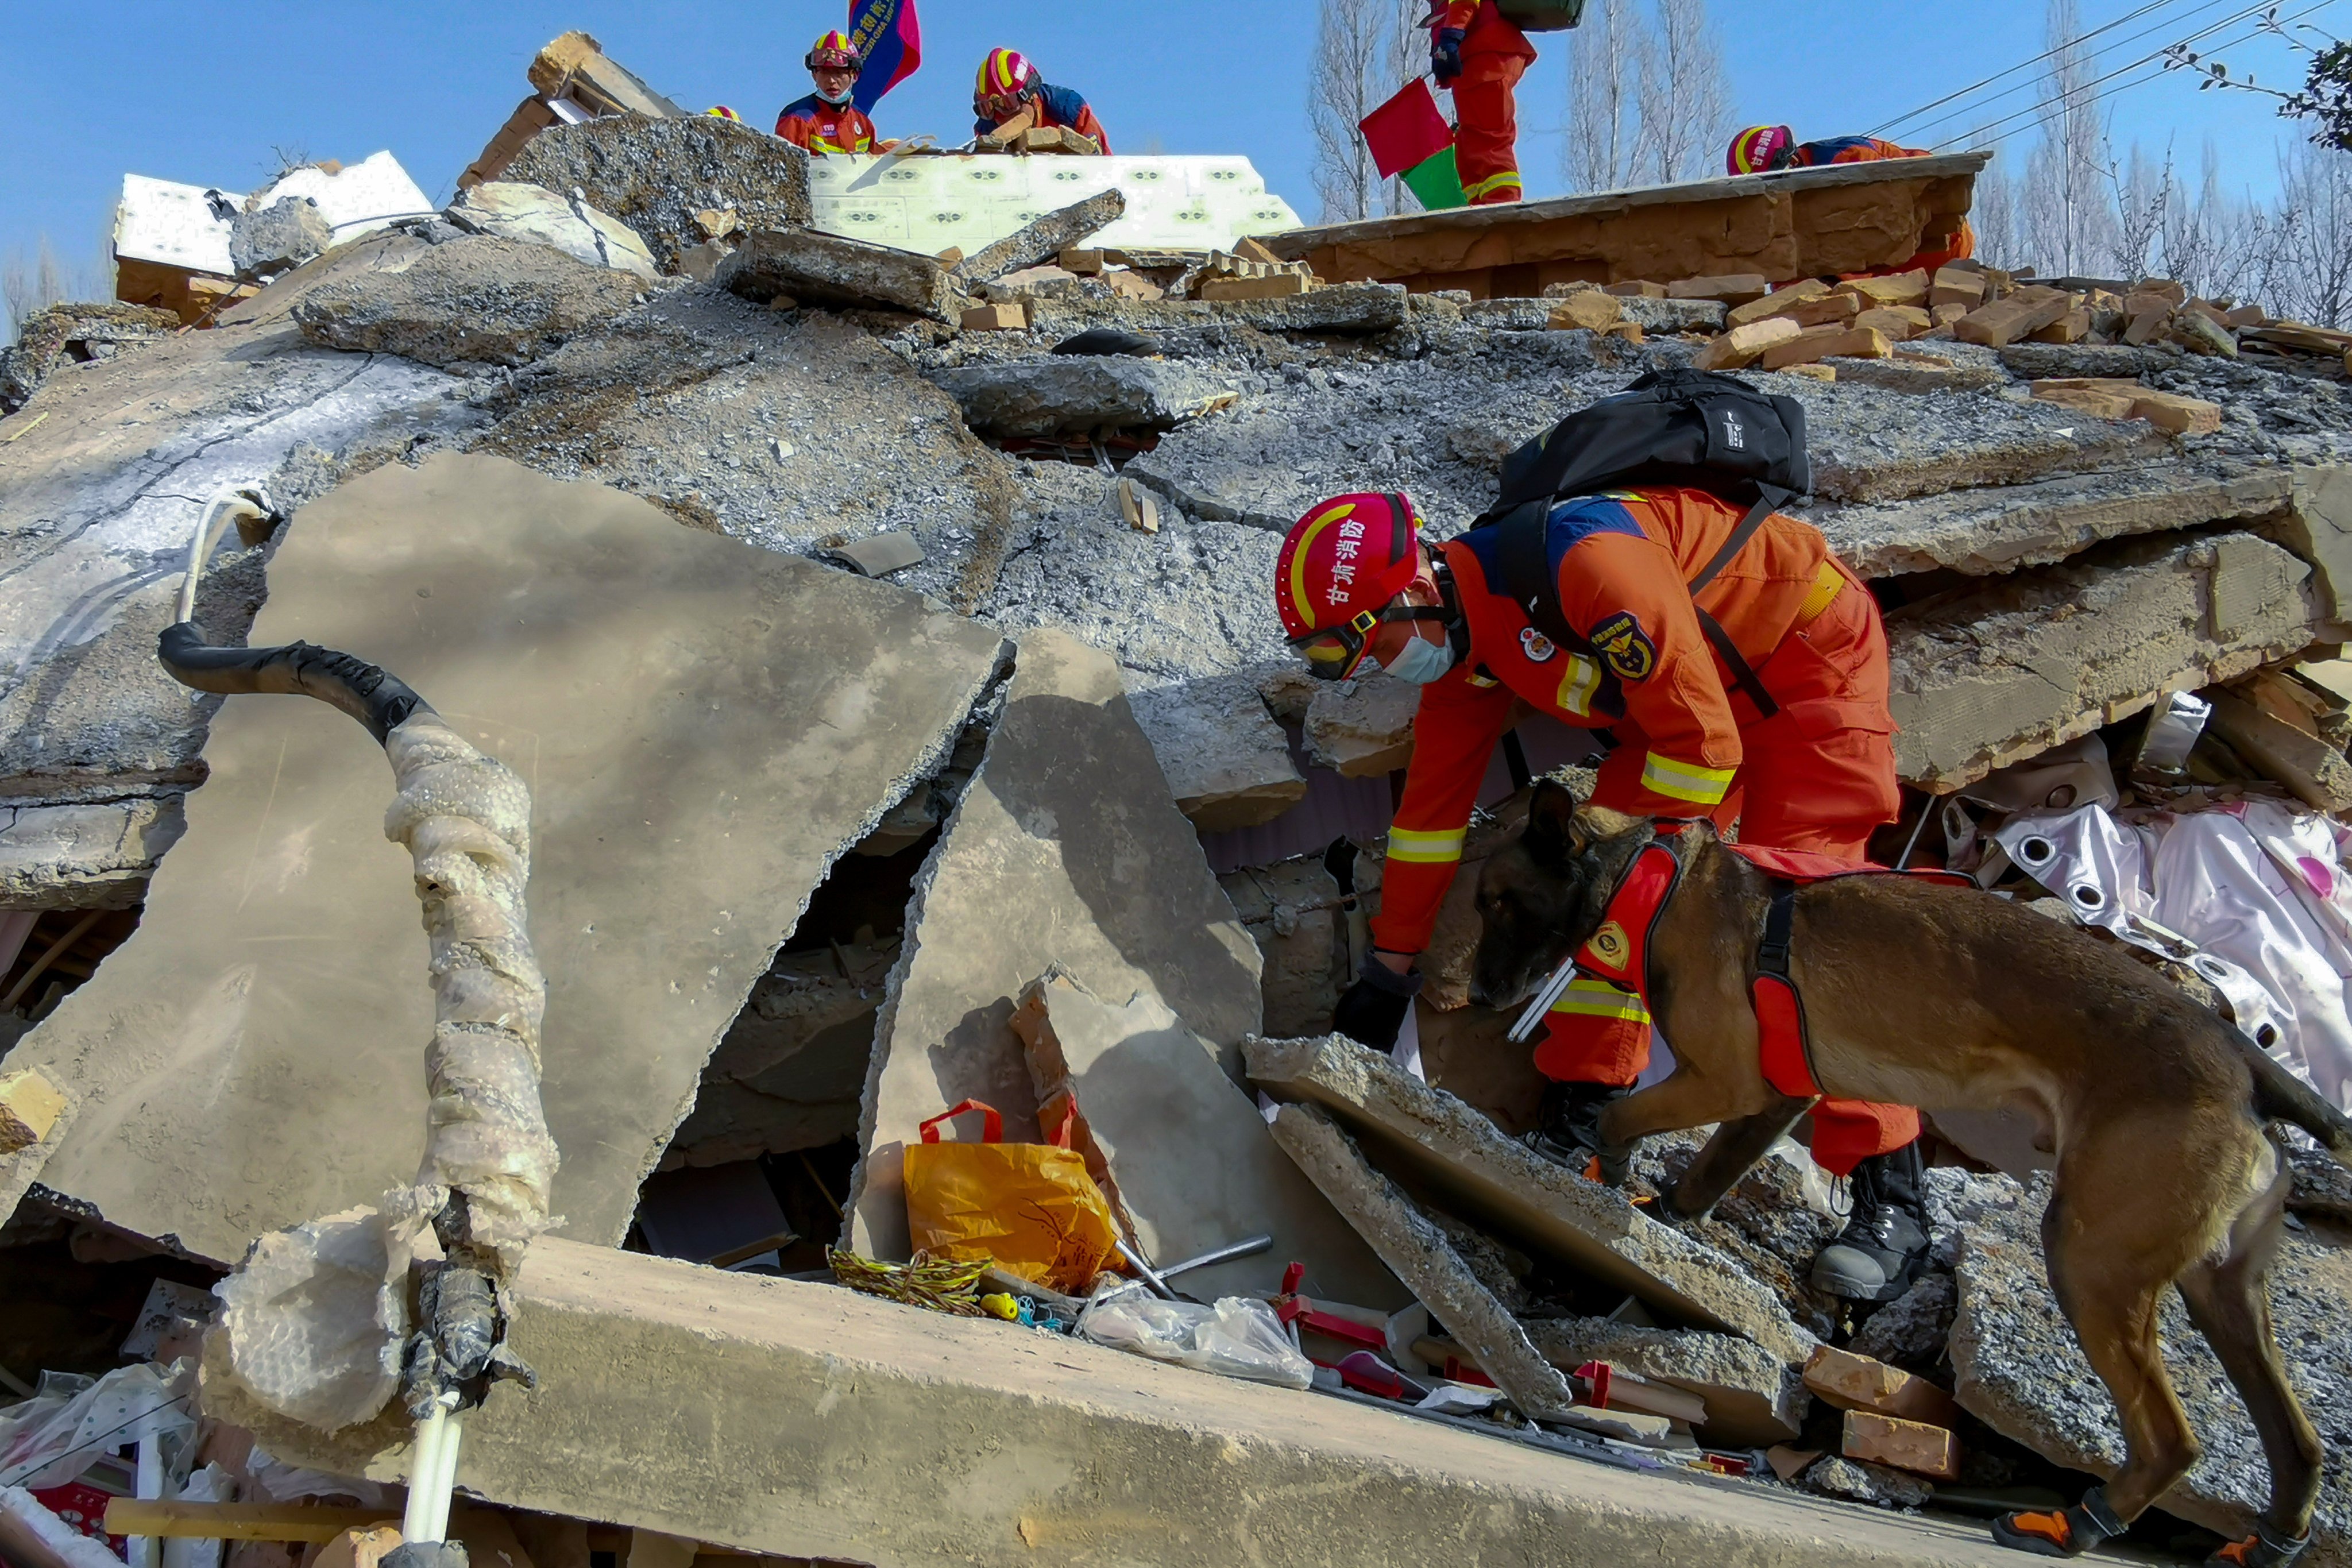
1762	149
826	120
1355	583
1481	56
1008	83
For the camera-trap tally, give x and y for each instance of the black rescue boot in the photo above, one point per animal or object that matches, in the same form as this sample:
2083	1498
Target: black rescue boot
1568	1129
2067	1533
1878	1254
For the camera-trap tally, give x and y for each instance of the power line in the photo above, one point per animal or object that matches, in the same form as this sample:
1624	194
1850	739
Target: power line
1885	126
2100	98
2232	19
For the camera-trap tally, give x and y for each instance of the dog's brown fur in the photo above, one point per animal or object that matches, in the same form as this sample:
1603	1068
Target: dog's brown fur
1922	995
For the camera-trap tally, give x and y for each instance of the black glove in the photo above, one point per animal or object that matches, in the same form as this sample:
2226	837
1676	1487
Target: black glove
1445	54
1372	1010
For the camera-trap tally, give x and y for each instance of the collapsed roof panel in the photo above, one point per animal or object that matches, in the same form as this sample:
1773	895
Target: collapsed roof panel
705	727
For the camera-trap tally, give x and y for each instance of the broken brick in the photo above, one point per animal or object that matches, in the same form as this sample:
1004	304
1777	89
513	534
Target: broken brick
1903	289
2004	322
1638	288
1590	309
1956	286
2181	415
1852	1382
2088	400
1277	286
1900	323
1866	343
29	1108
1004	316
1776	304
2070	327
1913	1446
1742	344
1736	288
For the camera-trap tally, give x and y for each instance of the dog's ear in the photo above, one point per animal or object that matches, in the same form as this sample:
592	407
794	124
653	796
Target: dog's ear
1554	836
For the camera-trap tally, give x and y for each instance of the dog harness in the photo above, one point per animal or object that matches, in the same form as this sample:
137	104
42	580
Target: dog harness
1618	952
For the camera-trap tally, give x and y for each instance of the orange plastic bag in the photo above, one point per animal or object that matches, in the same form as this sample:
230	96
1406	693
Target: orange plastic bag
1030	1206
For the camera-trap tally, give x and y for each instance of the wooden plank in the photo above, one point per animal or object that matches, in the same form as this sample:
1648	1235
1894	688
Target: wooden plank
238	1521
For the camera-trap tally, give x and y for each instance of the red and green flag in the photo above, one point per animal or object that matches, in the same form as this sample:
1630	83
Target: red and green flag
1409	138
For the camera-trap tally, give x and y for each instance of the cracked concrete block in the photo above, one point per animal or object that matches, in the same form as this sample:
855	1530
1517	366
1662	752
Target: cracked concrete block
478	300
509	209
1753	1398
1870	445
1043	239
2317	526
1674	315
1854	1480
1076	395
1469	1168
76	333
1195	1164
1064	849
1417	1248
747	1413
656	175
1987	531
1227	763
1292	908
286	233
1986	677
1353	310
2019	1369
97	856
826	268
1362	727
688	798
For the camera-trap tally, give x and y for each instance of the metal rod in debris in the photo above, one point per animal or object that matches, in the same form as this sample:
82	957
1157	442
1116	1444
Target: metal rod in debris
1239	1249
1553	990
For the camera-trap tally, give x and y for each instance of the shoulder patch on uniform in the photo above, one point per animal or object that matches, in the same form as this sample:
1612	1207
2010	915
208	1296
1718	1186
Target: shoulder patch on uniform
1536	646
1626	647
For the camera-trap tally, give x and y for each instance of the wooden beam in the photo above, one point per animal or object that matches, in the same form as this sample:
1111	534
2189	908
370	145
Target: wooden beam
239	1520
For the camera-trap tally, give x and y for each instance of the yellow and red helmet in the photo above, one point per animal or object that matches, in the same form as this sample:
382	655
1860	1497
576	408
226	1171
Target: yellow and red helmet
834	52
1760	148
1006	78
1339	569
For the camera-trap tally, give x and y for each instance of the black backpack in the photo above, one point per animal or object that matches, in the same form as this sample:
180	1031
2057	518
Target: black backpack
1691	427
1542	16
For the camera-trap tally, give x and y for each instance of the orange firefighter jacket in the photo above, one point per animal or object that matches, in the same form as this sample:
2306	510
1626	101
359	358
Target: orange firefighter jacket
1624	560
1486	30
820	127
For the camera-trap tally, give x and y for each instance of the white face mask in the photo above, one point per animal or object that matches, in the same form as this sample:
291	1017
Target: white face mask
836	100
1421	661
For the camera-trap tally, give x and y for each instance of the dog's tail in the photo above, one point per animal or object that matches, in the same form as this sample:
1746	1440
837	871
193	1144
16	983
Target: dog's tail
2280	1096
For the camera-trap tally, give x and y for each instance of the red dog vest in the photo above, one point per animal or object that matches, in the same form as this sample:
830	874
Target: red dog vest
1618	951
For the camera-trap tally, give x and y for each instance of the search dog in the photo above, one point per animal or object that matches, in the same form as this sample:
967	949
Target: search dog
2155	1110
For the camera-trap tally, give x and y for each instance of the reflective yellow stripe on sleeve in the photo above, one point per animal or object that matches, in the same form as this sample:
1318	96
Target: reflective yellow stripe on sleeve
1689	782
1578	682
1589	998
1426	848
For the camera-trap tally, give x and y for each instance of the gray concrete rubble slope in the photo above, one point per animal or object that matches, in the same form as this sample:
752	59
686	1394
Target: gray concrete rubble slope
704	728
798	1420
1352	309
1986	677
1193	1163
1065	849
103	480
88	854
1984	533
1442	1148
506	210
1076	394
1227	762
656	174
827	268
1753	1398
479	300
2021	1371
796	433
1414	1246
1042	238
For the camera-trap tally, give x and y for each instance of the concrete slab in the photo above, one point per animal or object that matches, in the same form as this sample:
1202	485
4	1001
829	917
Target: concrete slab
826	268
1753	1398
1042	238
1293	908
704	726
1417	1248
800	1420
1077	395
96	855
478	298
1442	1147
1064	850
1195	1166
656	174
1227	763
1991	675
1984	533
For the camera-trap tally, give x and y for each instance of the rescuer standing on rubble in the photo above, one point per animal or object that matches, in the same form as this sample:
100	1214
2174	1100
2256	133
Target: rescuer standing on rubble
1476	51
1763	149
826	120
1009	84
1355	583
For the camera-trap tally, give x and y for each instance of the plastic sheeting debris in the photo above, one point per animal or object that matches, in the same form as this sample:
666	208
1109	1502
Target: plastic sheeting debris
316	1316
54	1436
1236	1338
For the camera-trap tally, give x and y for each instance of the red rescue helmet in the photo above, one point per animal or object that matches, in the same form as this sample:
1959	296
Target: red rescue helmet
834	52
721	112
1340	569
1006	78
1760	148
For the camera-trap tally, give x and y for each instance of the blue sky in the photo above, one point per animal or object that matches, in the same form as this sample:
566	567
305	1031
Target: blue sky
159	88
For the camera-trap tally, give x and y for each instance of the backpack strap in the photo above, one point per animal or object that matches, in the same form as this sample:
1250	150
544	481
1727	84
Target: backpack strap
1768	500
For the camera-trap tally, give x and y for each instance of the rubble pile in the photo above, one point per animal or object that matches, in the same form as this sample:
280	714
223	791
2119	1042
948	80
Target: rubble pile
886	641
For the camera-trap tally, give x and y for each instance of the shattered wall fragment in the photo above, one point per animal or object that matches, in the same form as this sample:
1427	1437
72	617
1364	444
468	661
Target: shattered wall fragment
656	174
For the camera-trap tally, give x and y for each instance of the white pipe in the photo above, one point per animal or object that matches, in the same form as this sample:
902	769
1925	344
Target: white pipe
223	506
145	1551
445	1477
423	1464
